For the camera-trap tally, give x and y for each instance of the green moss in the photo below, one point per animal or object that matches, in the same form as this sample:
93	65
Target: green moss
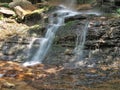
1	16
4	5
69	24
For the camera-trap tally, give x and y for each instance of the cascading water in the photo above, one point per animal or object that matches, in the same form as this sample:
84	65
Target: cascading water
31	43
81	37
77	60
55	21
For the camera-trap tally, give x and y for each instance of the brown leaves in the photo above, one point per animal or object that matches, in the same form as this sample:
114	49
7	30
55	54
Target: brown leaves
15	70
9	27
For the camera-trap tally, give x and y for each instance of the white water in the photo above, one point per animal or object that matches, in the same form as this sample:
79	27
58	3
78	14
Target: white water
81	37
31	43
77	60
55	21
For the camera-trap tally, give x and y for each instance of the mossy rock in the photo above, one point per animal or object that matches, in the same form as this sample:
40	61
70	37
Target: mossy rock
37	30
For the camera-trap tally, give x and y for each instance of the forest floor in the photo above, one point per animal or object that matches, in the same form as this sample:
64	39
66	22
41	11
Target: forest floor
13	76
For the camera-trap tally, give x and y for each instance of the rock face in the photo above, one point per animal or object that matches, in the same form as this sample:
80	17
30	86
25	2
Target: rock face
102	41
101	53
104	37
26	5
15	38
107	36
102	45
11	34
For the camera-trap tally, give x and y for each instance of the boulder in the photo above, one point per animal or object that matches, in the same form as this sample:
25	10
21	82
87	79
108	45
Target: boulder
21	12
7	11
24	4
22	7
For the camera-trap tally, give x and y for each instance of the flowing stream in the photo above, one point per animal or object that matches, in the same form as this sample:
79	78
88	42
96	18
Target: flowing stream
56	20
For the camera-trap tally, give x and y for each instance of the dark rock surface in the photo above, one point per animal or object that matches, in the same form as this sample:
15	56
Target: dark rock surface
102	44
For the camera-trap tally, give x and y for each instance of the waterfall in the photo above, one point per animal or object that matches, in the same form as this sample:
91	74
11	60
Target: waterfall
81	37
31	43
70	3
56	20
77	60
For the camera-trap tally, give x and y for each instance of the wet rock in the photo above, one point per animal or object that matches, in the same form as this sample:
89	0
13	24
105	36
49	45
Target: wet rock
15	37
36	30
76	17
101	40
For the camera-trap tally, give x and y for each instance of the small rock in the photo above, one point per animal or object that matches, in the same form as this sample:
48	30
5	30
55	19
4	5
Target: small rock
68	52
8	85
6	11
102	18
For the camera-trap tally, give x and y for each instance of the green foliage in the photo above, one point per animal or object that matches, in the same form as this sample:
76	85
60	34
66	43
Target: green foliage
118	10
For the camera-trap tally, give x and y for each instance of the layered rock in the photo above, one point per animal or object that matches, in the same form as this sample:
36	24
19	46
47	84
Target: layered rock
15	38
101	46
